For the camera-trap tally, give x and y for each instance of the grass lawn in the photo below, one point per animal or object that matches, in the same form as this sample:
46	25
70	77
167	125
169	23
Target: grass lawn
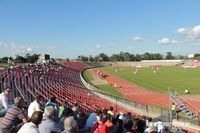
87	76
175	78
110	90
4	65
105	87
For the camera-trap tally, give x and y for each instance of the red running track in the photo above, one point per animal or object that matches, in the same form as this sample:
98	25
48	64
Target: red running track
140	95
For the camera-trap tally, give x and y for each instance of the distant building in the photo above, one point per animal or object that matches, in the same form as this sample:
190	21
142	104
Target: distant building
190	55
43	58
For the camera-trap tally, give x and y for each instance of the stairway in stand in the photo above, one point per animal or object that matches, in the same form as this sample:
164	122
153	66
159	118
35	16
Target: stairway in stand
180	106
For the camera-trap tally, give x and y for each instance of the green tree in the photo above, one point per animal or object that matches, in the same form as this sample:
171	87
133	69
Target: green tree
31	58
169	56
121	56
20	59
138	57
196	55
132	57
146	56
115	57
82	58
103	57
91	59
5	59
127	56
158	56
67	59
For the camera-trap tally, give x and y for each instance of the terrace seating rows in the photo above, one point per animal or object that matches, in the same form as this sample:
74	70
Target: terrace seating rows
191	64
60	80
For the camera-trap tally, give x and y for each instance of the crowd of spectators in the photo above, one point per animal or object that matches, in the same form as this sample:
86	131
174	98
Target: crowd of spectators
51	118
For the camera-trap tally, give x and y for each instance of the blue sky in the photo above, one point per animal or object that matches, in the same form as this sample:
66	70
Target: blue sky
68	28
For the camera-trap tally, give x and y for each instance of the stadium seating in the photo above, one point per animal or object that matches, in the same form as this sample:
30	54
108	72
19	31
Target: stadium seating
191	64
59	80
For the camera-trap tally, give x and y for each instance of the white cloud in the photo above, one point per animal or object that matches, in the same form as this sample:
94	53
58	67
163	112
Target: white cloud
164	41
29	49
190	33
137	38
23	49
183	30
167	41
98	46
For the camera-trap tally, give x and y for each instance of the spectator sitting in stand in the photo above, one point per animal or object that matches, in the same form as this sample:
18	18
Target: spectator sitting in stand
4	101
66	113
128	127
34	106
109	123
81	119
141	124
70	125
120	128
111	112
92	118
48	124
62	108
11	122
52	103
100	126
31	127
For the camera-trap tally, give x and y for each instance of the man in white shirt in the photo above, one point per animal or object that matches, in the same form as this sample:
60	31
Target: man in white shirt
4	101
34	106
32	126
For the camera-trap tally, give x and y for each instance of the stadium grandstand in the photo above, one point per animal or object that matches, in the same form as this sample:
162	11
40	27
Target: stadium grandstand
65	83
99	66
191	64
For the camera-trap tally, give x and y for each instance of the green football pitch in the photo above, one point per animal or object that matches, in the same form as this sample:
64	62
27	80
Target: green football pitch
161	79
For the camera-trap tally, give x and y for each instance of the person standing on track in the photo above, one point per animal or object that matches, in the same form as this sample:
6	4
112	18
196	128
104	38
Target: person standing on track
173	110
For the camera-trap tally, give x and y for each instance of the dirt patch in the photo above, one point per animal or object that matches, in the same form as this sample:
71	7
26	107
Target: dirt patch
97	80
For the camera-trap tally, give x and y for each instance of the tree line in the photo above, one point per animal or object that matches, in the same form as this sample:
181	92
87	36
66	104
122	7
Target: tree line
28	58
126	56
122	56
